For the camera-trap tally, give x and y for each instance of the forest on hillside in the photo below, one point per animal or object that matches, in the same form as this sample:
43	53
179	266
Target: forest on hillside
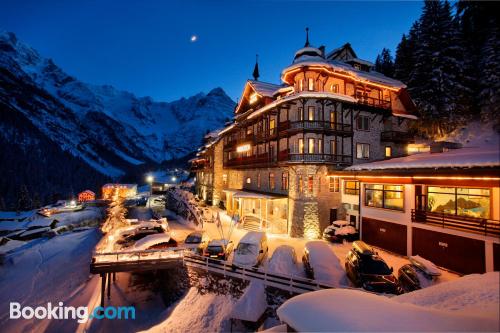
450	61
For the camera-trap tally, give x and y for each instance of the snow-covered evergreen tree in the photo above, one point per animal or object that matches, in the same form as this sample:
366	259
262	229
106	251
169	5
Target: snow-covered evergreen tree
489	78
385	63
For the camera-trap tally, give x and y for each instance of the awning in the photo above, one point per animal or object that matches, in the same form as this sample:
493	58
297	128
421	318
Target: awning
253	195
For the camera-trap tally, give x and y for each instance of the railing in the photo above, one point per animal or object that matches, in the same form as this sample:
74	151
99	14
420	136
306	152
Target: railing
375	102
248	160
321	125
458	222
324	158
291	283
396	136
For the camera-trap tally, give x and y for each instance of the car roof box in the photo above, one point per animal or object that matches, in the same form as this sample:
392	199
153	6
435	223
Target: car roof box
362	248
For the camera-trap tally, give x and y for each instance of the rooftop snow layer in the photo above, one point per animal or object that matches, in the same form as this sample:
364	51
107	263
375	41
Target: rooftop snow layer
265	88
456	158
252	303
354	310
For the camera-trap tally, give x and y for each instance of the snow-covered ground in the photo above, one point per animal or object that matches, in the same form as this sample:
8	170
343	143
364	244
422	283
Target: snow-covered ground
46	270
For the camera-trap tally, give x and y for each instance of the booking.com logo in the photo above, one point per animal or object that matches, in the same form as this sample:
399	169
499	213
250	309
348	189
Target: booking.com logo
81	313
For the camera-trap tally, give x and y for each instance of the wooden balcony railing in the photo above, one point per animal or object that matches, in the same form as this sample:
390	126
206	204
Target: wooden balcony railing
319	158
396	137
450	221
375	102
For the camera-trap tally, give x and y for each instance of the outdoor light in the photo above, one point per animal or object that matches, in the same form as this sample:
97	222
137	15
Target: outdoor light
149	179
243	148
72	203
174	179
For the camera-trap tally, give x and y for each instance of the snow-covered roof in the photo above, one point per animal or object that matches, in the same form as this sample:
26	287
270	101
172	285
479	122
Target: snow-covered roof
252	303
249	194
129	186
355	311
264	88
363	62
4	215
339	66
148	241
468	157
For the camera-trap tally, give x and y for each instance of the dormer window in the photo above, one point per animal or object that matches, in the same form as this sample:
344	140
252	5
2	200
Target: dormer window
253	98
310	84
357	66
301	85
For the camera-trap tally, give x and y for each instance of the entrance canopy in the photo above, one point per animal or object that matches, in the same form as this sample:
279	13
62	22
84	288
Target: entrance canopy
253	195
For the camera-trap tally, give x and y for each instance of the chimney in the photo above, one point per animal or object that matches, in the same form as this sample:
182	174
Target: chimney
322	49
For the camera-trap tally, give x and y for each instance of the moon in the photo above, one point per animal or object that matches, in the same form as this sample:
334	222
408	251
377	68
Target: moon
193	38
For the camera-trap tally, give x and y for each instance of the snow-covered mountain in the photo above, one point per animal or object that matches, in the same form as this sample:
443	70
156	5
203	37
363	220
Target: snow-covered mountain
111	130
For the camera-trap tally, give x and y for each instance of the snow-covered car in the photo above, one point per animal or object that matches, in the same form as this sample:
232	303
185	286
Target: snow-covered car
197	241
283	261
321	264
154	242
420	273
219	249
252	249
131	236
56	231
340	230
365	268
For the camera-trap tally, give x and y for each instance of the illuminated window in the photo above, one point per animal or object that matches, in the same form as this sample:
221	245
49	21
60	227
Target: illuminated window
333	116
362	150
310	84
253	98
474	202
384	196
320	146
258	180
310	113
311	146
310	184
334	88
284	181
224	179
351	187
301	85
334	184
388	151
300	114
272	183
301	146
272	126
333	147
249	180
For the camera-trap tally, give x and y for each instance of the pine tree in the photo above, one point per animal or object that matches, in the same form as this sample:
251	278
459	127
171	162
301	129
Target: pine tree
23	199
384	63
489	78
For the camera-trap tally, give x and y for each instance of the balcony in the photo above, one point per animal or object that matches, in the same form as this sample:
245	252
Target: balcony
475	225
285	156
374	102
262	159
317	125
396	137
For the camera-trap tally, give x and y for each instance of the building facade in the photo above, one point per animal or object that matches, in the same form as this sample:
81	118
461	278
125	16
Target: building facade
443	206
271	164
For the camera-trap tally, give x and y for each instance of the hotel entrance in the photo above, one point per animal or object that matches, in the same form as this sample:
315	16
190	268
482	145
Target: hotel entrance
259	211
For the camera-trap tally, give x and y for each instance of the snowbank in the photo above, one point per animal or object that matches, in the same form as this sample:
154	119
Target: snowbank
198	313
252	304
474	294
326	265
354	310
283	261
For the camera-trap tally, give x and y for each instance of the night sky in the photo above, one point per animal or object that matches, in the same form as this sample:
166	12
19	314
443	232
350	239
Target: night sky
146	47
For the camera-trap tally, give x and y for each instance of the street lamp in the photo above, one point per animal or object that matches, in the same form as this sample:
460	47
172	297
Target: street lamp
150	180
174	178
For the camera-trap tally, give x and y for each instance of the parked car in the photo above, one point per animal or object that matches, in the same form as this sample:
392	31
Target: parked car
366	269
219	249
283	261
419	273
251	250
321	264
154	242
340	230
197	241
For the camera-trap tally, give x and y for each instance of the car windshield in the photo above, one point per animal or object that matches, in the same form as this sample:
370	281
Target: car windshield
193	239
371	266
215	249
244	248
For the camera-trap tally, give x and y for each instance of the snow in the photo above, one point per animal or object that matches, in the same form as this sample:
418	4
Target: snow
198	313
253	237
284	261
346	230
474	294
488	156
148	241
264	88
475	134
325	264
425	264
354	310
252	304
16	216
10	245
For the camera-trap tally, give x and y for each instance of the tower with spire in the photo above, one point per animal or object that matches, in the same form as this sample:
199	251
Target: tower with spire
255	73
